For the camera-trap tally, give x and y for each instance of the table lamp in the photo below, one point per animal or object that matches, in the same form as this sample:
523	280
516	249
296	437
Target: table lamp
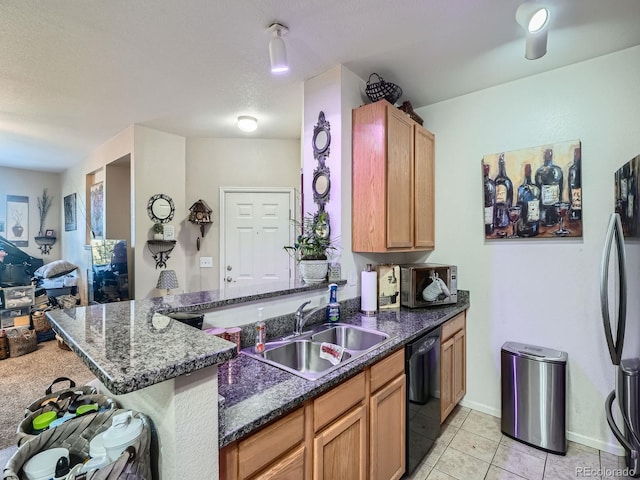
167	280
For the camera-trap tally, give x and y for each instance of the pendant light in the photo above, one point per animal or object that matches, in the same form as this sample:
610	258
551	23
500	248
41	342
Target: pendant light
278	49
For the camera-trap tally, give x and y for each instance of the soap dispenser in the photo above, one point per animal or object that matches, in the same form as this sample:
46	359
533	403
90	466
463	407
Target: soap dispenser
333	309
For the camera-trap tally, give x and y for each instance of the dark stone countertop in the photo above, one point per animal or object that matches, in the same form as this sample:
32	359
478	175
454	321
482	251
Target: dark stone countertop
127	350
256	393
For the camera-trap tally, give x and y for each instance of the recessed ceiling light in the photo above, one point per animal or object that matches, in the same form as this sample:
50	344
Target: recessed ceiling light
532	16
247	123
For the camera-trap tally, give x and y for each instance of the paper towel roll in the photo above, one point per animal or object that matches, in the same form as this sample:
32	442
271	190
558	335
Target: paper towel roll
369	297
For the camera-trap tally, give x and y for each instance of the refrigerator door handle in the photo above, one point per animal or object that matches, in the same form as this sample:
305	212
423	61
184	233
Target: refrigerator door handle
614	427
614	232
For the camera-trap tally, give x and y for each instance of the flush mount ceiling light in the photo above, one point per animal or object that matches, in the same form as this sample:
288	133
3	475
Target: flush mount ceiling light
277	48
534	18
247	123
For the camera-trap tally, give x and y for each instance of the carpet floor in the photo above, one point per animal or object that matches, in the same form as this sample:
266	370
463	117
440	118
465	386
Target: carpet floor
24	379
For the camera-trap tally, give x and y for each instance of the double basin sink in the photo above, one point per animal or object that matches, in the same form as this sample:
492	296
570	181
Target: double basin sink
301	354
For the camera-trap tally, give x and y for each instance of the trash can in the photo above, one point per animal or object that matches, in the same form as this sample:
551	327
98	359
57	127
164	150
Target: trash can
534	396
194	320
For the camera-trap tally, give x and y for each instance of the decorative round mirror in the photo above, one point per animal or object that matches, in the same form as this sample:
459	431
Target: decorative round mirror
160	208
321	185
323	229
321	137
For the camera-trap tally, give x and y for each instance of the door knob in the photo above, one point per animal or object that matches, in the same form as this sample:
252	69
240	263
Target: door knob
229	268
229	279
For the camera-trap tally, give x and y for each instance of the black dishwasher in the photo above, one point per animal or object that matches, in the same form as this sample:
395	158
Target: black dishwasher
422	368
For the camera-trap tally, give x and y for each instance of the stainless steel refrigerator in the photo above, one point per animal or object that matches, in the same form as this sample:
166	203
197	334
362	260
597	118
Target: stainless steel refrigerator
620	305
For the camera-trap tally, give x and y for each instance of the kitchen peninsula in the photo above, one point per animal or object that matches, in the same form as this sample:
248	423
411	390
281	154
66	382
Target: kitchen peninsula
163	368
169	371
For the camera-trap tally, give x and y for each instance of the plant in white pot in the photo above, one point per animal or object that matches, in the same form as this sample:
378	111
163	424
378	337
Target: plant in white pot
158	231
311	247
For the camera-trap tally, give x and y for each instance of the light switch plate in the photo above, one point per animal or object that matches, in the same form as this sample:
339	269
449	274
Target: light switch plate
206	262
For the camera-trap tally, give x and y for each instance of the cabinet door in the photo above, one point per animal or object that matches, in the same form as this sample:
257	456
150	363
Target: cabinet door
446	379
340	450
290	467
459	366
424	188
400	173
387	427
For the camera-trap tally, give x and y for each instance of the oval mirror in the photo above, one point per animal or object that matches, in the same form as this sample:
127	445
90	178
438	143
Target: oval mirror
160	208
321	186
321	137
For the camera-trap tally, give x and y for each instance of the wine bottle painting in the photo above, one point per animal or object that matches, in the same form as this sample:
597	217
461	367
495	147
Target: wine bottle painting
533	193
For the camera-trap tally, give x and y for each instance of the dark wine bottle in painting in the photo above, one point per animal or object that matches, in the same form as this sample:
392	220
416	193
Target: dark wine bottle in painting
549	180
489	200
529	201
504	196
575	186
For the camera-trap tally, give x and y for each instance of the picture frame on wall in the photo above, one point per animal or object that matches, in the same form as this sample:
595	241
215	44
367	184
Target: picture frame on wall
18	220
534	192
70	222
97	210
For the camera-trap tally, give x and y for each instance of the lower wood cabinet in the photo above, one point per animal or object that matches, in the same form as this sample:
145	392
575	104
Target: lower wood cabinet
387	427
340	450
453	381
354	431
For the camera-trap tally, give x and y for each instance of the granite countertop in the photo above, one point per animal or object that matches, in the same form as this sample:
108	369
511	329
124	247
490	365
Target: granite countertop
128	348
255	393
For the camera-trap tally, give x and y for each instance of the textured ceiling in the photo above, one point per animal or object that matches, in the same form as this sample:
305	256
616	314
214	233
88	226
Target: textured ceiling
75	73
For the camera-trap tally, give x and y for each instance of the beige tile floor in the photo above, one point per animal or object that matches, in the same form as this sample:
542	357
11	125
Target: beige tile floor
472	447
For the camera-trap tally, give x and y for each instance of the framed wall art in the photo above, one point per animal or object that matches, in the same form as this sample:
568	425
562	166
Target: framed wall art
97	210
533	193
70	221
18	220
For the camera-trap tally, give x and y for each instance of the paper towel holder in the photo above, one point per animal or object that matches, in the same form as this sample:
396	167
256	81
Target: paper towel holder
369	298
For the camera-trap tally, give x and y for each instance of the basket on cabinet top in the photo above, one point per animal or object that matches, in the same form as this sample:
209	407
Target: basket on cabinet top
381	89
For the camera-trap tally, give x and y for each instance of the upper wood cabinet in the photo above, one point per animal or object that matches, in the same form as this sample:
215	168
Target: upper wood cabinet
392	181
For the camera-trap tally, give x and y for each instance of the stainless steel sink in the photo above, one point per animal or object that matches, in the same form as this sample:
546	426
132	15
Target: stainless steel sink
300	354
350	337
303	356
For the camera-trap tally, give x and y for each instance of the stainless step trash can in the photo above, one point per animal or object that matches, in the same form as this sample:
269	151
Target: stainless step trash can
534	396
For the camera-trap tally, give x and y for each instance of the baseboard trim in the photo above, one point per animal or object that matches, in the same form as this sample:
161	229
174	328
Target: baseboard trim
612	448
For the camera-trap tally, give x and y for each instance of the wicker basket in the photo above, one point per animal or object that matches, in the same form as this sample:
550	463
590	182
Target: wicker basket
40	322
22	341
50	393
382	90
76	435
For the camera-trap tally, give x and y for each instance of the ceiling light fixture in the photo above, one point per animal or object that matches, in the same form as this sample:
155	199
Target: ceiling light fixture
534	18
277	48
247	123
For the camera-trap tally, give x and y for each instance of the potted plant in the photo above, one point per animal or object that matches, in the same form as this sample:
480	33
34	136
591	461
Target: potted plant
311	247
158	231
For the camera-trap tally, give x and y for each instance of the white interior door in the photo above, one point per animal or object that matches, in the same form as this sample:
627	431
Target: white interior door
256	226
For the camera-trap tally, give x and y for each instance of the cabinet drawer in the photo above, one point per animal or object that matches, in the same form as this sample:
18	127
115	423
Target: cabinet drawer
264	447
387	369
452	326
334	403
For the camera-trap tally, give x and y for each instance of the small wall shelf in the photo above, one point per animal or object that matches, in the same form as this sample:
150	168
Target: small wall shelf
45	244
160	250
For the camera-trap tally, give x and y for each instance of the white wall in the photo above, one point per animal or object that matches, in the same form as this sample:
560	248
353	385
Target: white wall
30	183
543	292
212	163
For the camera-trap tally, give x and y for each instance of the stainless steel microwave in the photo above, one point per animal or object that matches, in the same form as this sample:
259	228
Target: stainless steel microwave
428	284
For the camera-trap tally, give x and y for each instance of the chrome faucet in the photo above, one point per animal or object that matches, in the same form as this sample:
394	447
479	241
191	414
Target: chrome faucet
302	317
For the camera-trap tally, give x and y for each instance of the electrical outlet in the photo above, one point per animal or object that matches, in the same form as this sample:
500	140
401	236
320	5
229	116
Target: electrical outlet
206	262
